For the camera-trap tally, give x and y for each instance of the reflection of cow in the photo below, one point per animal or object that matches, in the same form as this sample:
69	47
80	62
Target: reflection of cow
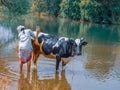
55	83
52	46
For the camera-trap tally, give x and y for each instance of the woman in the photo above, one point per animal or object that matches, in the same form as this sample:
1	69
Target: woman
25	45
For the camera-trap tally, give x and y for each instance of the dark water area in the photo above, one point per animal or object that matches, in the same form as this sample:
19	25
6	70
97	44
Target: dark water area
98	68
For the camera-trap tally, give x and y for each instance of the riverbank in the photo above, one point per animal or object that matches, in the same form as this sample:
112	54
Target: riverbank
45	15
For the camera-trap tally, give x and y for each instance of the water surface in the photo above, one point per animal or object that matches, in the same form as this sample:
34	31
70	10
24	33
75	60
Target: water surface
98	68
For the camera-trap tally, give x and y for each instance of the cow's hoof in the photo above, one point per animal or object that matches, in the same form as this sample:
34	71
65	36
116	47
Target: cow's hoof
34	67
57	71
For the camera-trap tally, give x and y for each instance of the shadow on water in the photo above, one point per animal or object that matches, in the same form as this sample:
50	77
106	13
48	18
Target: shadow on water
98	68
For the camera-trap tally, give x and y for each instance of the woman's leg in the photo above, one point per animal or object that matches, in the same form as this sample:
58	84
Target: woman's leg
29	62
21	66
29	65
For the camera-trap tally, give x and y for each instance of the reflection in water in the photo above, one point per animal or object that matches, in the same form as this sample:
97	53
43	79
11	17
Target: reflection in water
103	34
50	84
70	28
97	69
5	34
5	83
8	49
58	26
6	76
116	69
100	60
24	82
47	84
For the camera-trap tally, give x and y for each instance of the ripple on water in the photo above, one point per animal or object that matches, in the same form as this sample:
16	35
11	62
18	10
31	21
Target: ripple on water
46	68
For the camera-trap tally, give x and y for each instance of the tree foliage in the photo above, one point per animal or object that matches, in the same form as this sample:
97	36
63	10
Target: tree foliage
98	11
53	7
70	8
16	7
48	6
90	10
39	5
114	6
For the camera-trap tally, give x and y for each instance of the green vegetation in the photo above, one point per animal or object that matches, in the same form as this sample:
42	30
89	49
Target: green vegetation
97	11
48	6
15	7
100	11
70	9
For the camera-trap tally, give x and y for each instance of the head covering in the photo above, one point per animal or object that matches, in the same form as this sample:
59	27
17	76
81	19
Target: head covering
20	28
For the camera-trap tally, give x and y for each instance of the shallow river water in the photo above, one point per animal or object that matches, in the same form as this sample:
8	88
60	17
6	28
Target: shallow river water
98	68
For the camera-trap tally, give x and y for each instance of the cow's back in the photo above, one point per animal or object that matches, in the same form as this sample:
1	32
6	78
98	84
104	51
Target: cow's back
48	44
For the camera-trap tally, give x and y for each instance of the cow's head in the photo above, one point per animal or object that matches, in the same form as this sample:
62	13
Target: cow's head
78	45
64	45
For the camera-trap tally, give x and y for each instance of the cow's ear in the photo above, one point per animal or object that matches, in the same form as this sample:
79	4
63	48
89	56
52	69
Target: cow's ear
84	43
82	39
71	40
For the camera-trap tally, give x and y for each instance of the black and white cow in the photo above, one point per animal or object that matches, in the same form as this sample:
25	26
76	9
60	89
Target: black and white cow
52	46
67	47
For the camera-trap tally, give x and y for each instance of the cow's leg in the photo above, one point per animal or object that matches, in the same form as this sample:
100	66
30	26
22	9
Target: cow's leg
63	65
35	58
64	62
35	53
58	59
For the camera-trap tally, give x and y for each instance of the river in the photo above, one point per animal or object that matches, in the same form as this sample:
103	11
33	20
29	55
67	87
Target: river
98	68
